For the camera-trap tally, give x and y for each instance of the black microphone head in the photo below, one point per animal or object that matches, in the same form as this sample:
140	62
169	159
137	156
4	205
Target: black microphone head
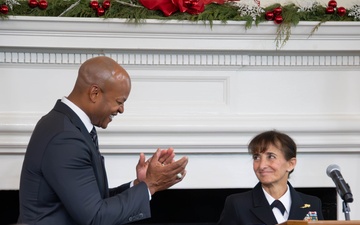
331	168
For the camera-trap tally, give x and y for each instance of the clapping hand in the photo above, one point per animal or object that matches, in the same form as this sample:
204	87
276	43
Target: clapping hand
161	171
166	157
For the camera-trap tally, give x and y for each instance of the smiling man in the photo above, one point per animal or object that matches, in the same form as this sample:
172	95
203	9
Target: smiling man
63	179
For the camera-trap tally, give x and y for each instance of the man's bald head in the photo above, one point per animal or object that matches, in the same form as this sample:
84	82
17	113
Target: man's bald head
95	75
99	70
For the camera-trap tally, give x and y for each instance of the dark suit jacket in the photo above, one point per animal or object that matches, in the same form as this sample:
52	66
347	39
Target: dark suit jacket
253	208
63	179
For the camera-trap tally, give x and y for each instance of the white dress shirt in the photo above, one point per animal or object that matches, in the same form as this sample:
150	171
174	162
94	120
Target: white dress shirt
285	200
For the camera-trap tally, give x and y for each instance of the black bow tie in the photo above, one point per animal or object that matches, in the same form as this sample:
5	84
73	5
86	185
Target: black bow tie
278	205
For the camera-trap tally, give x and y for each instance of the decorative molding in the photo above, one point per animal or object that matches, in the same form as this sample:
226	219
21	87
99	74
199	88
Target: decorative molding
195	135
70	41
185	59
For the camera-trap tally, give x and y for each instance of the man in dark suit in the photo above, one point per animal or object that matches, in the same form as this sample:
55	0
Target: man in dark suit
273	200
63	179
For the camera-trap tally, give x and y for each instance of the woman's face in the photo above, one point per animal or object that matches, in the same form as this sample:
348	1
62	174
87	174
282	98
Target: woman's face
271	167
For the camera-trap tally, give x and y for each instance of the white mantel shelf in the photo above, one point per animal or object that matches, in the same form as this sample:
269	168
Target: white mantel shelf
98	33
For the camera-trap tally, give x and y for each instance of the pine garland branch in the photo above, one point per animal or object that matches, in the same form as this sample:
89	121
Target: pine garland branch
71	7
133	11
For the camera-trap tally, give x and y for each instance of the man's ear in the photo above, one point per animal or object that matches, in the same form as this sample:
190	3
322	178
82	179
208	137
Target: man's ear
94	92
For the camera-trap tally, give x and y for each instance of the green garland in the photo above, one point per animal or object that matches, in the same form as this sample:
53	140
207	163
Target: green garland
135	12
224	12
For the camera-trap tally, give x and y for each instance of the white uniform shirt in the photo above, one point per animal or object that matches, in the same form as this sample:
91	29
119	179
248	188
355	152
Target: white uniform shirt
285	200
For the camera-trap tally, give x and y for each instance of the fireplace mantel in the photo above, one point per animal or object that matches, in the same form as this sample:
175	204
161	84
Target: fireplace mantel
203	89
110	34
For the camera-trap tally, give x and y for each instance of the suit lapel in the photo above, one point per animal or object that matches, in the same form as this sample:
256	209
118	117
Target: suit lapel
262	209
98	160
76	121
296	210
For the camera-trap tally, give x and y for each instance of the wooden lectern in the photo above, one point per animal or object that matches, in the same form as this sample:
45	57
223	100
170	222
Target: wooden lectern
322	222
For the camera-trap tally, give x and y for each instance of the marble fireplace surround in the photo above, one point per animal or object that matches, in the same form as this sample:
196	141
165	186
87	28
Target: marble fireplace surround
204	90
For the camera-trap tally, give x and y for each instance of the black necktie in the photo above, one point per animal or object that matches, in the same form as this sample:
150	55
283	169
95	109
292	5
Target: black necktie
94	138
278	205
105	188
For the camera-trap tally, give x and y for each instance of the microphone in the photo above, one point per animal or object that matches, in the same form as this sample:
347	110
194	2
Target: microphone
342	187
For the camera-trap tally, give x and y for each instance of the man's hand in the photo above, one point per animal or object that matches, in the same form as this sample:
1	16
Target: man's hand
166	157
162	170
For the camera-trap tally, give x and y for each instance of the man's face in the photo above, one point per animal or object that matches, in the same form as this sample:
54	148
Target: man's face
111	101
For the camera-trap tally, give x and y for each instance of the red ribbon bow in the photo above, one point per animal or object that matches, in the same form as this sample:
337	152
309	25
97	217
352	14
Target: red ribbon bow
168	7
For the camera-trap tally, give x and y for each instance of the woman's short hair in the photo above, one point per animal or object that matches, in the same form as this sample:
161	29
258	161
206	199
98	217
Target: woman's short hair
261	142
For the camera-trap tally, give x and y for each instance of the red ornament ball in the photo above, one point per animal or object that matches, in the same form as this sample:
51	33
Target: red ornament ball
106	4
341	11
269	15
94	4
278	19
33	3
100	11
332	3
43	4
277	11
329	10
4	9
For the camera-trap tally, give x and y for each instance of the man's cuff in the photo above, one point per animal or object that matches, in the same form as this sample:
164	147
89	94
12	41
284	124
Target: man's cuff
132	185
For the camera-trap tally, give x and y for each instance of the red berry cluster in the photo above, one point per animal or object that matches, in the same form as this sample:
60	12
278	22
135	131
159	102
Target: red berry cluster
331	8
42	4
100	8
274	15
4	9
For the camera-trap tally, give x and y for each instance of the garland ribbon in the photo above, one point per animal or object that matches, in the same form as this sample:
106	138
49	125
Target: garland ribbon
168	7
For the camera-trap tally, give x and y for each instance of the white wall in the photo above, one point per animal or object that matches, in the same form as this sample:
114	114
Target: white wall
205	91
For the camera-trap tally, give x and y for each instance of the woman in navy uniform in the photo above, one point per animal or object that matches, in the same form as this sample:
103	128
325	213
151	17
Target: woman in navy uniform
273	200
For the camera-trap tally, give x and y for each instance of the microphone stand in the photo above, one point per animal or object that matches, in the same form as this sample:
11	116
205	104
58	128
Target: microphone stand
346	210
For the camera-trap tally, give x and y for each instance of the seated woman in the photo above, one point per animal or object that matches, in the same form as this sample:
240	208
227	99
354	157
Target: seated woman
273	200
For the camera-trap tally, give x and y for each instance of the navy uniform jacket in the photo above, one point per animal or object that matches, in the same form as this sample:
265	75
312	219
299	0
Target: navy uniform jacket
252	207
63	179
